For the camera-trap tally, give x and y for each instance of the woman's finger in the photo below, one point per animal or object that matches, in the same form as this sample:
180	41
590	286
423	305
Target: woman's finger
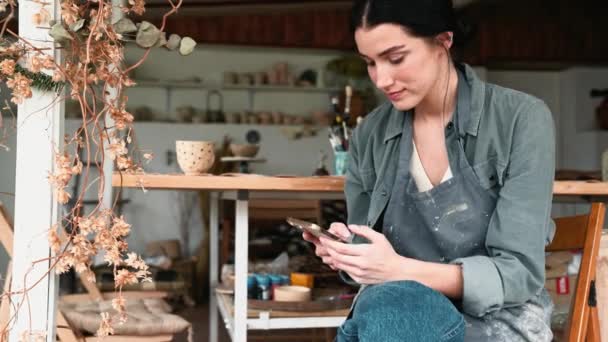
342	248
343	259
310	238
339	229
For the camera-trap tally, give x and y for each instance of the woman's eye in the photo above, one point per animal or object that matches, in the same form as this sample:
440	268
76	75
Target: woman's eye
396	60
370	63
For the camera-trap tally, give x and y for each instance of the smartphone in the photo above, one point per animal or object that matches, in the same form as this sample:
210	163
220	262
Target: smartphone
313	229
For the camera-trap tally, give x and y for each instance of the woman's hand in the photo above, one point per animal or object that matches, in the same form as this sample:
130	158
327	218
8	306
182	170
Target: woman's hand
368	263
336	228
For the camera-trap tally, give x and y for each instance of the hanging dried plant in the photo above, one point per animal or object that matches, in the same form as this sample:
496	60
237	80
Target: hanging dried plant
93	63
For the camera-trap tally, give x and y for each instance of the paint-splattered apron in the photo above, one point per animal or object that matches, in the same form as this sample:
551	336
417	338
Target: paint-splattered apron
450	221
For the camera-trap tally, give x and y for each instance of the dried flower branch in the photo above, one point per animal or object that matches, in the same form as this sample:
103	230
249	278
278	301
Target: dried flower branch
92	64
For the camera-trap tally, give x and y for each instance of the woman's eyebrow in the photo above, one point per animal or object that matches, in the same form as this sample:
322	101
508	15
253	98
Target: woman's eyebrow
385	52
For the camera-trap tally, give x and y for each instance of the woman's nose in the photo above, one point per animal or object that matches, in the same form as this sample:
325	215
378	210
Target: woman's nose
384	79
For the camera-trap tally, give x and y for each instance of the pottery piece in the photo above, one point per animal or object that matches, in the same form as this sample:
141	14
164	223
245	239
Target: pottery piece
260	78
253	119
185	113
245	79
277	118
244	150
299	120
230	78
292	294
288	120
215	113
265	118
233	117
321	118
195	157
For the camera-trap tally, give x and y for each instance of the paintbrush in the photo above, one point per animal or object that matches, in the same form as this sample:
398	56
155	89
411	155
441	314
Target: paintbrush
349	95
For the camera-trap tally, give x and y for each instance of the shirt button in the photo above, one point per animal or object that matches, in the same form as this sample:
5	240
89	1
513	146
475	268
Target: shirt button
383	193
450	125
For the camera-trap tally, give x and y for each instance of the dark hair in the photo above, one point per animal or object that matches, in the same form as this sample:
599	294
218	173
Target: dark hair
421	18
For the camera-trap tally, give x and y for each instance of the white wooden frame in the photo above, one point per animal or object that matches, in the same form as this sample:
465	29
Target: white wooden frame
39	132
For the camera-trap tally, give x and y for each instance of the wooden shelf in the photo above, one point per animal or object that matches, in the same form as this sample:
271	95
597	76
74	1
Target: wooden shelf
227	301
259	88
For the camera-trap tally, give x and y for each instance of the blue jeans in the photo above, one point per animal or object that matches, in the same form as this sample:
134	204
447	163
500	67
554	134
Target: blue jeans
402	311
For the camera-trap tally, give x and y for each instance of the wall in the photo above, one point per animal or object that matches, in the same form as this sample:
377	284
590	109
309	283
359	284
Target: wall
209	63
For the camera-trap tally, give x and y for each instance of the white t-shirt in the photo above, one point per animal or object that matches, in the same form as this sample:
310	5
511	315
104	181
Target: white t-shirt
420	177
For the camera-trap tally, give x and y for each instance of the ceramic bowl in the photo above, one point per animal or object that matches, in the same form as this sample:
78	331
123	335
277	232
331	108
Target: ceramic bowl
292	294
195	157
244	150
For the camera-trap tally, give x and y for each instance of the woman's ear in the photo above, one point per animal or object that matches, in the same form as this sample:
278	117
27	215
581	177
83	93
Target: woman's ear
445	39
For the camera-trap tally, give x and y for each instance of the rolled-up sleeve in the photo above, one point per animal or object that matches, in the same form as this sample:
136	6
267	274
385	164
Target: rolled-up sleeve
514	270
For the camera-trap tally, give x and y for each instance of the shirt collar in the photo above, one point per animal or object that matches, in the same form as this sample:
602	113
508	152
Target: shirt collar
471	95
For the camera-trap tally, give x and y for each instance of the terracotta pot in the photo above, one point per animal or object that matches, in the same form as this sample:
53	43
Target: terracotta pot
195	157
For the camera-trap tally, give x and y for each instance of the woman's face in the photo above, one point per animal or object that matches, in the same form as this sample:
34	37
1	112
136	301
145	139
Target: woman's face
402	66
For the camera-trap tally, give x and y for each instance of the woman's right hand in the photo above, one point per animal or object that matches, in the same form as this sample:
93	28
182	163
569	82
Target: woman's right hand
337	228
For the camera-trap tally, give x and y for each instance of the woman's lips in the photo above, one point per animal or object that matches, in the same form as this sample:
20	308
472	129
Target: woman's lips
394	96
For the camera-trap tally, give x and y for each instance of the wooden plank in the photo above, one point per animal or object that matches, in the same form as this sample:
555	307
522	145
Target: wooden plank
593	326
64	330
6	231
234	182
5	302
602	287
580	188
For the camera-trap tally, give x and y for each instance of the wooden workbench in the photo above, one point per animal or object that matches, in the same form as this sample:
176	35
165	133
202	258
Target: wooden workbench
291	183
324	186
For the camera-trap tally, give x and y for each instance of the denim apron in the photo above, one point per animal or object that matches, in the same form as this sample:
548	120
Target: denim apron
450	221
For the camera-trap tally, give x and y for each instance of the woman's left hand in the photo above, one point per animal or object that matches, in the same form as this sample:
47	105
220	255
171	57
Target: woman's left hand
367	263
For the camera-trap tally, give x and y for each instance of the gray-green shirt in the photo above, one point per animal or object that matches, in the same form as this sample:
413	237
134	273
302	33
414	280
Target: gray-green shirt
509	140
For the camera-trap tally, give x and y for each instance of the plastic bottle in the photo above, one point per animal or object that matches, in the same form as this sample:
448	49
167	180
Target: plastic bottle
252	287
263	286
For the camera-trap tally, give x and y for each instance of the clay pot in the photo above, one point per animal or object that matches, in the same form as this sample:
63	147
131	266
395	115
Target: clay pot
195	157
244	150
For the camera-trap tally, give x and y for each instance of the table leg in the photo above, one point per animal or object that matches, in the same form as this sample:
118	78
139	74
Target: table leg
213	264
241	260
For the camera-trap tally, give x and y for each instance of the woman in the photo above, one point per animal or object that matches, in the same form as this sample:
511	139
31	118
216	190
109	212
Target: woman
448	190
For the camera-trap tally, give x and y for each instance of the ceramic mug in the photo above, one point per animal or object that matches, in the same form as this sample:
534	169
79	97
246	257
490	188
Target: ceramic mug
195	157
